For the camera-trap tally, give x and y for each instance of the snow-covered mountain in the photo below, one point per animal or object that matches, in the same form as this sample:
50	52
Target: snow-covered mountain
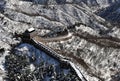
95	42
111	13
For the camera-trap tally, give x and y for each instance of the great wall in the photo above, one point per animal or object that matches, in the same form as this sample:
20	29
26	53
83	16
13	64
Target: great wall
38	42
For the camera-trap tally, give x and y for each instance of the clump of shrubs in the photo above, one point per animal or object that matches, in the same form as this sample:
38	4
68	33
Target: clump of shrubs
18	69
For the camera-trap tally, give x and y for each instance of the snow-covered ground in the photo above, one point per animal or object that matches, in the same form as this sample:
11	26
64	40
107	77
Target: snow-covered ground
51	68
2	68
31	51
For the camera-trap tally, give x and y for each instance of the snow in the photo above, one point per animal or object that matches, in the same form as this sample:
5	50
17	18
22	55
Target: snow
2	68
40	56
31	29
1	79
32	67
32	51
77	70
69	34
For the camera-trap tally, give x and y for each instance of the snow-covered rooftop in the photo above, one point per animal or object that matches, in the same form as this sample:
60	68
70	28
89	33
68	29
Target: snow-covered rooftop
31	29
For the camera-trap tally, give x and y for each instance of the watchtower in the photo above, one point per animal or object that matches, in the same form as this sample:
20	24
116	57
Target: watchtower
30	33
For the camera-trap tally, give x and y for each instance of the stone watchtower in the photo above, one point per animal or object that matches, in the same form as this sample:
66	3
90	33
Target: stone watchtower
30	33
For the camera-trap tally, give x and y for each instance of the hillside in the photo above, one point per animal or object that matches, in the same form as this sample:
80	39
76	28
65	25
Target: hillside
95	42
